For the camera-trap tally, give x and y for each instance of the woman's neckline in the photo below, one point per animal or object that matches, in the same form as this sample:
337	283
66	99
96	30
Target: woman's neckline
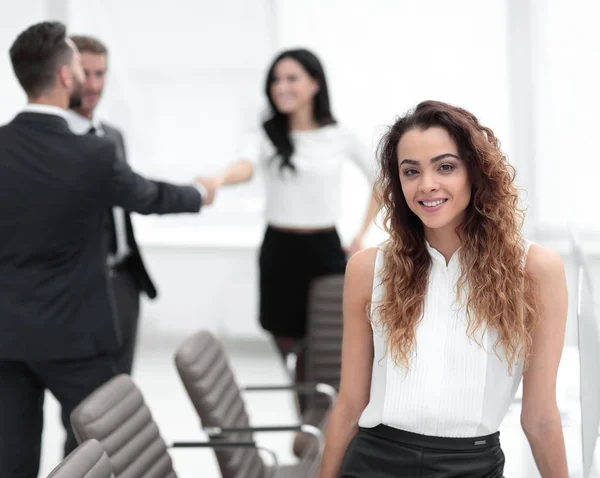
439	257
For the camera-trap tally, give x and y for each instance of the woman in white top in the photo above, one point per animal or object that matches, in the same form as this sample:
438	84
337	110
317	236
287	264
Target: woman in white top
300	151
443	320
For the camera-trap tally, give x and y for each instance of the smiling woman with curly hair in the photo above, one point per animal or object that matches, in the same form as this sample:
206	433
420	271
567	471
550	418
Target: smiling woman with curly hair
443	320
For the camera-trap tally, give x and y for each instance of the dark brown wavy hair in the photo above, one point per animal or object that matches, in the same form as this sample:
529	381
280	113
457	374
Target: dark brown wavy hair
499	292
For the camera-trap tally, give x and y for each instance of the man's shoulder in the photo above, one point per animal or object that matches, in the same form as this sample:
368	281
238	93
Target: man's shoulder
43	129
8	133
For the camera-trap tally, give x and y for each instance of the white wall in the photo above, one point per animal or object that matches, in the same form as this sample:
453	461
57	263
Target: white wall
183	80
384	57
566	75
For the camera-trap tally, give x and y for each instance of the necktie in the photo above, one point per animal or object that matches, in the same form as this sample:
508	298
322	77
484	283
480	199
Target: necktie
112	244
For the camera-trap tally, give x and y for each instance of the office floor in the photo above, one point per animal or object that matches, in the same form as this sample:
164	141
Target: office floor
256	363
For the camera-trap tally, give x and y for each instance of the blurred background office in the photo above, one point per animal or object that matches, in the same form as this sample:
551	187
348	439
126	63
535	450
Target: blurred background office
185	83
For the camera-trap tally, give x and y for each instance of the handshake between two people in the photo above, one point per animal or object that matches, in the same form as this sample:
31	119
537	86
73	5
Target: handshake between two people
211	185
238	172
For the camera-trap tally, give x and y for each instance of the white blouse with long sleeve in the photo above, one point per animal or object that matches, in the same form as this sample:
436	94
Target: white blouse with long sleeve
309	197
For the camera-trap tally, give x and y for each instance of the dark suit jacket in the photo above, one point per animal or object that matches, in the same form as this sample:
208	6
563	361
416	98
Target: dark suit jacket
135	263
55	189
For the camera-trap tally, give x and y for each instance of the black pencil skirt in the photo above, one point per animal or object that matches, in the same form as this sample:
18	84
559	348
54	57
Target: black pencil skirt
288	262
386	452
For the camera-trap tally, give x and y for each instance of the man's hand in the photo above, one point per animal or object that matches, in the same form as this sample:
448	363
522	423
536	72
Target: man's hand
211	185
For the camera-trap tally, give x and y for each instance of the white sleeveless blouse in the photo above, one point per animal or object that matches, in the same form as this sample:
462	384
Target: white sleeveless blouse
453	387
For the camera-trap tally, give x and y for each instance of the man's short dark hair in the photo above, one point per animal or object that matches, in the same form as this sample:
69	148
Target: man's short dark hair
38	53
89	44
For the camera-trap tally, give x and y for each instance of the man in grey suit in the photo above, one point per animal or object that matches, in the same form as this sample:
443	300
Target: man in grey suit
128	274
127	271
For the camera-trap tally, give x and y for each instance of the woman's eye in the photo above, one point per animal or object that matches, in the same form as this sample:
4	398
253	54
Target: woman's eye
446	167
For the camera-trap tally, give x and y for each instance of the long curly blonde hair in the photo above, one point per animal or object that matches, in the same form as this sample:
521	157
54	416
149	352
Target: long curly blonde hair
501	293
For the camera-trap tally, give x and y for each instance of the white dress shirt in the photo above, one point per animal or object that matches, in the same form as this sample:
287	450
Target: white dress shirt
45	109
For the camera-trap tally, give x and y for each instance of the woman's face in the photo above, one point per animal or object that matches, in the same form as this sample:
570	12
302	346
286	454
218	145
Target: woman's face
434	178
292	87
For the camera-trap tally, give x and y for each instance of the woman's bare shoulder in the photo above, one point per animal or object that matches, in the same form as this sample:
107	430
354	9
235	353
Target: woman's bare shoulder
361	269
544	263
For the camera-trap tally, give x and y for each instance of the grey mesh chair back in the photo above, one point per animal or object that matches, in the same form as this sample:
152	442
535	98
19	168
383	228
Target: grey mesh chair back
207	376
323	344
322	356
88	460
116	415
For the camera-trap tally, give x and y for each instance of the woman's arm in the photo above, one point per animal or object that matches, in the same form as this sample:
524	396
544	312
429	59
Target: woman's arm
238	172
356	244
365	161
357	361
540	417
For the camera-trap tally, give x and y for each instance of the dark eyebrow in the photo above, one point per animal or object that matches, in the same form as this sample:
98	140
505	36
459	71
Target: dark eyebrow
433	160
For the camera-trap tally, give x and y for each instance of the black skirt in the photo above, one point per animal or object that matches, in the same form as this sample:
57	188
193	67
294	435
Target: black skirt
288	263
384	452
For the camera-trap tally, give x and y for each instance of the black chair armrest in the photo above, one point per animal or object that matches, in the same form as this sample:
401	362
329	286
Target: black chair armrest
217	432
216	444
303	387
213	444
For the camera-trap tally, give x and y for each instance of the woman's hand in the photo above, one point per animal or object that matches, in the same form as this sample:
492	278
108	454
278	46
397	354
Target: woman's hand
355	246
